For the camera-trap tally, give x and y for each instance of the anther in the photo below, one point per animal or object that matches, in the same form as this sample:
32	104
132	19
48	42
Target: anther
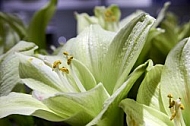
170	96
181	106
69	60
65	70
56	63
171	103
65	53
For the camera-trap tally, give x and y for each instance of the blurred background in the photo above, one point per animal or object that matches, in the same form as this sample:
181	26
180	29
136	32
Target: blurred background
63	25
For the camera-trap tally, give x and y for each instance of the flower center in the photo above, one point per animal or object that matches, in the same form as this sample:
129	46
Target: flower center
109	16
175	108
67	75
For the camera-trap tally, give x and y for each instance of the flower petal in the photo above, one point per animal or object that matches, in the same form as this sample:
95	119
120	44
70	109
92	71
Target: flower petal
9	62
78	108
38	74
90	48
124	51
140	114
84	20
24	104
111	113
175	77
149	90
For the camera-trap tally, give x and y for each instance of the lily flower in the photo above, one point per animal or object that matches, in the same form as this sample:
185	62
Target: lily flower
163	97
86	80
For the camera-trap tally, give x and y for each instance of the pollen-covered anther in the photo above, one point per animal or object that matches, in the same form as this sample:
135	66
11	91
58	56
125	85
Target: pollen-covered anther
170	96
69	60
64	69
56	63
171	103
181	106
65	53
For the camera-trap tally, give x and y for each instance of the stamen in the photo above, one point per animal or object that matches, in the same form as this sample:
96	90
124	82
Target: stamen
175	107
69	60
56	64
77	80
64	69
65	53
66	79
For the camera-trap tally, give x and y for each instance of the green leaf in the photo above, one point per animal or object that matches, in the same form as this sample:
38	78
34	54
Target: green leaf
124	51
175	77
24	104
161	14
78	108
142	115
111	115
9	75
37	27
15	23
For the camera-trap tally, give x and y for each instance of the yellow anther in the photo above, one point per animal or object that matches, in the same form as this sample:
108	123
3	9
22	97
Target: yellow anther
170	96
181	106
171	103
65	70
56	63
65	53
71	57
69	61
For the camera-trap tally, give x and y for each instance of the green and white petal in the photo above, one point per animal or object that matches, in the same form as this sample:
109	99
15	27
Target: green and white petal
84	20
90	48
124	51
78	108
39	76
149	90
142	115
175	77
24	104
111	115
9	62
